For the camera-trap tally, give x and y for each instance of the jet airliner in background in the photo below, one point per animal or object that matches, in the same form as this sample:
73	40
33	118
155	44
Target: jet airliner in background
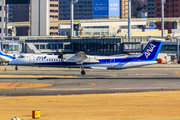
81	60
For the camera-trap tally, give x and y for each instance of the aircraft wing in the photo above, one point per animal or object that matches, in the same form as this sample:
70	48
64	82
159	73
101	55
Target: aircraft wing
81	57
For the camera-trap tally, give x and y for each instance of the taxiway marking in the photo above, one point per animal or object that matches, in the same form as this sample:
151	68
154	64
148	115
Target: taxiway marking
35	76
147	74
177	73
75	89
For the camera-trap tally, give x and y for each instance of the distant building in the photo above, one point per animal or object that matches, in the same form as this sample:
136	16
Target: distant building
20	12
142	15
123	9
151	8
10	13
2	16
54	16
94	9
171	9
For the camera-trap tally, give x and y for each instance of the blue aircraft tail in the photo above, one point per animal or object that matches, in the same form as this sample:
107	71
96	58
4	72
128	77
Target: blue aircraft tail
152	49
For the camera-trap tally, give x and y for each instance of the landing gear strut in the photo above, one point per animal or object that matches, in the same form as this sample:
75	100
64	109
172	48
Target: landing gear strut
16	68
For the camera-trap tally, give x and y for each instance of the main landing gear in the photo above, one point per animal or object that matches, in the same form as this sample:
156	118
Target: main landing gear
16	68
82	70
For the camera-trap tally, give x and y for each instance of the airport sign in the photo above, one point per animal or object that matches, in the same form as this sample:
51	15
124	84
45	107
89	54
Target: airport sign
100	7
114	7
36	114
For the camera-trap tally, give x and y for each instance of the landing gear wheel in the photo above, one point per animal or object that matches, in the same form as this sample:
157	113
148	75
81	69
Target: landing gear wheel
83	72
16	68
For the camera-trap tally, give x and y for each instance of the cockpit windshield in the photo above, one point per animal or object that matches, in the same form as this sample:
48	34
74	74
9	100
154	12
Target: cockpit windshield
21	56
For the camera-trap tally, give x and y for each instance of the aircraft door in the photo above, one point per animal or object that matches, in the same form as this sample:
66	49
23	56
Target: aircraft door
31	59
112	63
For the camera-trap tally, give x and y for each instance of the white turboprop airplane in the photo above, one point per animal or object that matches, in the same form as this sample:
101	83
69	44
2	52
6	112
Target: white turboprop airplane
147	57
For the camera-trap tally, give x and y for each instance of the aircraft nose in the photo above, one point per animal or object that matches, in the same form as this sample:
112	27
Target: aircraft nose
13	62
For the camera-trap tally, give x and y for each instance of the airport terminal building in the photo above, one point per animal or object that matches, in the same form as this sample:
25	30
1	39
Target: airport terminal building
90	45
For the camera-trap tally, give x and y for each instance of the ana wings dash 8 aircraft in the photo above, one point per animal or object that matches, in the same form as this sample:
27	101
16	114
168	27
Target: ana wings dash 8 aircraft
147	57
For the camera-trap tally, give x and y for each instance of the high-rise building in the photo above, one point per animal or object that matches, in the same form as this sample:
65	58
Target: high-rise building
2	18
171	9
10	13
44	11
40	18
123	9
20	12
54	16
151	8
85	9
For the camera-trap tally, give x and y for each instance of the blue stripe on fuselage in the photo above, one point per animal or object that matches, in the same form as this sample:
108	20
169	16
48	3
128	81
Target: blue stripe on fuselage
5	55
101	61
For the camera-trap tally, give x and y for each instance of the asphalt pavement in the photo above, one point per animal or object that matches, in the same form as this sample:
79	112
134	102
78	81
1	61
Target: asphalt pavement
159	77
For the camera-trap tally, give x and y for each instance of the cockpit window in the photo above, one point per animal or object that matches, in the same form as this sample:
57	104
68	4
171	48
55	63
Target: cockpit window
21	56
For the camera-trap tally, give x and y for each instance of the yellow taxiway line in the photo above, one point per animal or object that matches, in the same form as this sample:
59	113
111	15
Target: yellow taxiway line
35	76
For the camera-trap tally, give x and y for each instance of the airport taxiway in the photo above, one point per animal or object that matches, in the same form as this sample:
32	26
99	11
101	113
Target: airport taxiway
65	81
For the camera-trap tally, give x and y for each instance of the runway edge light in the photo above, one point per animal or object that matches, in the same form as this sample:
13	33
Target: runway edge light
36	114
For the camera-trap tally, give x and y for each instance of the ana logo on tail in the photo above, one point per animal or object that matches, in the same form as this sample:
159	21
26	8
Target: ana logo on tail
149	50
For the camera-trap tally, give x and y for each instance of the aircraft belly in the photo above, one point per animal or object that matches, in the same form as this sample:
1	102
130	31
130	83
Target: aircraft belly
134	64
98	65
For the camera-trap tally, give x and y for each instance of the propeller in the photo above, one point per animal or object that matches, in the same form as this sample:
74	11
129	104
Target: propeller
61	56
14	56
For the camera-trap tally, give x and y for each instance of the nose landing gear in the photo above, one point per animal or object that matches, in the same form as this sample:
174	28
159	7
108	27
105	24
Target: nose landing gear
82	70
16	68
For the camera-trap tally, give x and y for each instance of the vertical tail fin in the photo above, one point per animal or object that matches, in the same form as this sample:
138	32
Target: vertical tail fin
152	50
